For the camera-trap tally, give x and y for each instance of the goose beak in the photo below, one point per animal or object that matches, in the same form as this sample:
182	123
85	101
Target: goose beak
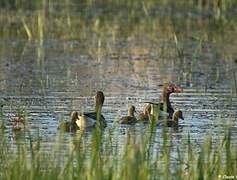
178	90
182	117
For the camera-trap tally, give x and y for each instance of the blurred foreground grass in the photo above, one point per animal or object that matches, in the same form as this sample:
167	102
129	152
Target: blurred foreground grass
100	158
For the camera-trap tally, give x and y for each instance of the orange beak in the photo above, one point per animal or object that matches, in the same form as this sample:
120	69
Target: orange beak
178	90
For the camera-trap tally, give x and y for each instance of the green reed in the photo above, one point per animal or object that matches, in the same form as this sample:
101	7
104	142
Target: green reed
2	123
98	158
38	20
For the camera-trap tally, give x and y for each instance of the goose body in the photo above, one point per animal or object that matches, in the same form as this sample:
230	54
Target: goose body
145	115
70	125
130	118
165	104
174	122
91	119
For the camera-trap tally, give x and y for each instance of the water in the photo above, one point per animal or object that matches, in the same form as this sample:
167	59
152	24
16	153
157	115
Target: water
50	80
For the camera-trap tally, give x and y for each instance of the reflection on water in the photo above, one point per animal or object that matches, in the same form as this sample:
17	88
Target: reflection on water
51	80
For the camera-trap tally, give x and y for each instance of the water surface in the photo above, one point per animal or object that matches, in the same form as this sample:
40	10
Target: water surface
51	77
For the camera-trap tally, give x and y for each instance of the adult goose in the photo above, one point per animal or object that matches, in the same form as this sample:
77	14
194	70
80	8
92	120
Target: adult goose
91	119
165	104
174	121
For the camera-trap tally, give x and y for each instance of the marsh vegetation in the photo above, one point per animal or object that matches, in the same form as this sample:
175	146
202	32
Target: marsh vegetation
54	56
